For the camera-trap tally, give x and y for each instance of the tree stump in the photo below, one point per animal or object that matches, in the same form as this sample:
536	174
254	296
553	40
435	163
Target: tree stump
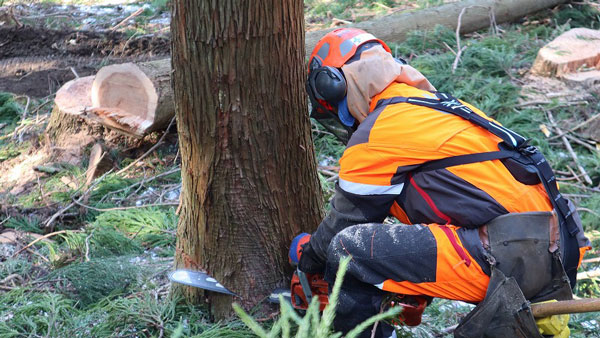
573	56
71	131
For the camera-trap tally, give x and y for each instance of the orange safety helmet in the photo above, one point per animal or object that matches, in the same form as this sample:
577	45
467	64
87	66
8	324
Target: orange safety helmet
339	45
326	85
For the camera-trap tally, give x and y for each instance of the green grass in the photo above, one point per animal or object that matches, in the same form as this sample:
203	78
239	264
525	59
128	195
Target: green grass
10	114
24	223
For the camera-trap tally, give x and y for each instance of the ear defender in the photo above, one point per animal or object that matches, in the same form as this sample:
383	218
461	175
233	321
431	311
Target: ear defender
328	84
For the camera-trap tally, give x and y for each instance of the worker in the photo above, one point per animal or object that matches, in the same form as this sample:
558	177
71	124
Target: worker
452	176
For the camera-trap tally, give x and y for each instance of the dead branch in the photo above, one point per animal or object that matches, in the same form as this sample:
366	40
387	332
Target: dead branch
569	148
561	104
588	275
87	246
591	260
589	210
142	181
582	143
459	50
133	15
577	126
574	174
11	277
20	134
582	187
5	220
33	252
39	239
74	72
162	194
577	195
125	208
51	220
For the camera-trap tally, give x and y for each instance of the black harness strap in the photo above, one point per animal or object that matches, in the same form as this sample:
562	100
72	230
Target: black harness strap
518	149
462	159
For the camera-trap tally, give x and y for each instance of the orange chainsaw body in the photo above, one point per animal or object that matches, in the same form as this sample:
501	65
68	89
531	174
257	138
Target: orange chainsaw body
318	286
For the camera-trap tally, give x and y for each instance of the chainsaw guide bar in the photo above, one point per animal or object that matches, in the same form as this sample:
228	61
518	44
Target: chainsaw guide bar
199	280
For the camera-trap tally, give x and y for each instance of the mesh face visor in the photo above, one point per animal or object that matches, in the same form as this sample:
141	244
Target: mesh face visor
333	125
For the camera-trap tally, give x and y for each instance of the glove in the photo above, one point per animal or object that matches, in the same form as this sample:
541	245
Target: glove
554	326
296	248
309	261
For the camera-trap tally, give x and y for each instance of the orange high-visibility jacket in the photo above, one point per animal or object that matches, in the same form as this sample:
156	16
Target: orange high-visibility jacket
375	177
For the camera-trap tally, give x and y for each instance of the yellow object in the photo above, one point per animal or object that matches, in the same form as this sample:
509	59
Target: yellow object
555	325
565	333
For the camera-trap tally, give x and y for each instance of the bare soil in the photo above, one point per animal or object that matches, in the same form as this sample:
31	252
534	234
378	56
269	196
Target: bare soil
37	61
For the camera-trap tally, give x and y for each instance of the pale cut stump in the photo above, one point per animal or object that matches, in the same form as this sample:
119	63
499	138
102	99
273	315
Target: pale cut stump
133	99
573	56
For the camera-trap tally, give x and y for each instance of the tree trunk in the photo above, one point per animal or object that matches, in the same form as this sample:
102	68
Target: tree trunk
248	169
395	27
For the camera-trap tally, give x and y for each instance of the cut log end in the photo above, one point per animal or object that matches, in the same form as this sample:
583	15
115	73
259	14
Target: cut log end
74	96
125	88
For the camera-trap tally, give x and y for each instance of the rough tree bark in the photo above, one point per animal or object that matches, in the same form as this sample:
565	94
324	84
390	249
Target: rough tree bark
248	170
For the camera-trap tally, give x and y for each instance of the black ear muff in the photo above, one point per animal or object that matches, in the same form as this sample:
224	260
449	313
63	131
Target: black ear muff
328	84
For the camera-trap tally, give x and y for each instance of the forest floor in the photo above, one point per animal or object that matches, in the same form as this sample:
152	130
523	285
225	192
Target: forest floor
100	271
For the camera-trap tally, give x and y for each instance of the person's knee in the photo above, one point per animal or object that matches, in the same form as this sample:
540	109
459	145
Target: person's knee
350	242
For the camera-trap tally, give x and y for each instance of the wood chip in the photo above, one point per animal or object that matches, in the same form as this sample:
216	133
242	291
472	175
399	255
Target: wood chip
545	130
68	182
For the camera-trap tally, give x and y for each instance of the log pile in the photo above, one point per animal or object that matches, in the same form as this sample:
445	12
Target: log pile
133	99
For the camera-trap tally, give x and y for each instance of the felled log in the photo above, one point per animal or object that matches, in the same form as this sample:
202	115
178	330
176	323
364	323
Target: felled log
134	98
395	27
574	56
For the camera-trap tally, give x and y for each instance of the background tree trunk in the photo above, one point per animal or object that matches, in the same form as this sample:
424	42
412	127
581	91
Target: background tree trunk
248	170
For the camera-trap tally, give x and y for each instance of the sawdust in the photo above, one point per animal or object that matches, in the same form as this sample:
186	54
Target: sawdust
17	174
580	98
539	88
